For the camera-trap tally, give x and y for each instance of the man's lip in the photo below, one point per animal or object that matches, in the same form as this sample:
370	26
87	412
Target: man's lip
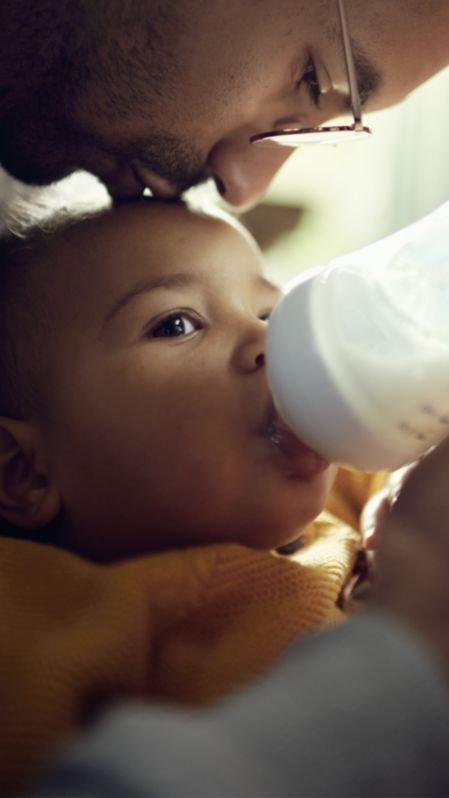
130	183
302	461
160	187
125	185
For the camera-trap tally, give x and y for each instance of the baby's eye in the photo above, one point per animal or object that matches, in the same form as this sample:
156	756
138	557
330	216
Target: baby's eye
173	326
265	316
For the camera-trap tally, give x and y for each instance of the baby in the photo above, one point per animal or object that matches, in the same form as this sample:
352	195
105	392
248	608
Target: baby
136	405
138	436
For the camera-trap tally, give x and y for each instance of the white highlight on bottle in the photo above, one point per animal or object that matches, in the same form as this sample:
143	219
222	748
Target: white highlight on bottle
358	352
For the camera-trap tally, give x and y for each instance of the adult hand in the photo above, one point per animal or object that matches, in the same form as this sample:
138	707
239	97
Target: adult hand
412	573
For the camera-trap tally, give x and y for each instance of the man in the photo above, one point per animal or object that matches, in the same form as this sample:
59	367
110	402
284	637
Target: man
166	93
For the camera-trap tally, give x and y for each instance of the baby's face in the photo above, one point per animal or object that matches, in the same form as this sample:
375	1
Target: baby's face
160	427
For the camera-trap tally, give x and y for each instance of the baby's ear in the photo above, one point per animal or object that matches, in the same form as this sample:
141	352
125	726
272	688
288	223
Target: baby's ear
28	496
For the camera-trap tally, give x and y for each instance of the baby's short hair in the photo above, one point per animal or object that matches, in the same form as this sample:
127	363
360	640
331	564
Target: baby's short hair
26	321
23	322
31	216
20	324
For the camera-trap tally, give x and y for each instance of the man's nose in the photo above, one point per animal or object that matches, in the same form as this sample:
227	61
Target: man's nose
243	171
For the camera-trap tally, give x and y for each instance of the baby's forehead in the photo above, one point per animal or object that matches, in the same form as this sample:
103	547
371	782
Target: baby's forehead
138	228
92	262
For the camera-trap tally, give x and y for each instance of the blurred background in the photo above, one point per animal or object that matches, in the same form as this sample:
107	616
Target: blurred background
329	200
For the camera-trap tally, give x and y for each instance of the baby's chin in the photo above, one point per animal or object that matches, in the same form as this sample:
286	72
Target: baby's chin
286	529
276	539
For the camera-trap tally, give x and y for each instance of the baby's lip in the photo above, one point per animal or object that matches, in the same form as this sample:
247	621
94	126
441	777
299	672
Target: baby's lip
303	461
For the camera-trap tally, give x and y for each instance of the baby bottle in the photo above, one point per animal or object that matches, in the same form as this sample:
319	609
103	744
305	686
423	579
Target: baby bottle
358	352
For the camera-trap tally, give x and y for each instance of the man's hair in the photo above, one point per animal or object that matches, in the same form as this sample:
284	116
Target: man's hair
66	44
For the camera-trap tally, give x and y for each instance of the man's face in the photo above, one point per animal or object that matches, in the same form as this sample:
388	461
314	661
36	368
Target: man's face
183	110
159	426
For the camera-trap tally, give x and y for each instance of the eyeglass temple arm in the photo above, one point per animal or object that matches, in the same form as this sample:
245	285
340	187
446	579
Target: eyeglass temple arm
350	68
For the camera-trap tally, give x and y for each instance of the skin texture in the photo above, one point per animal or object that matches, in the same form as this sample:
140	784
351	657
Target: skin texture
154	439
167	94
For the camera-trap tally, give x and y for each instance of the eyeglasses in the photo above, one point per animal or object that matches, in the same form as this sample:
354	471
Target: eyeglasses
296	137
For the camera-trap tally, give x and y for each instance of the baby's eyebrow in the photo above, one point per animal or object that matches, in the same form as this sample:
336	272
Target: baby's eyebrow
165	281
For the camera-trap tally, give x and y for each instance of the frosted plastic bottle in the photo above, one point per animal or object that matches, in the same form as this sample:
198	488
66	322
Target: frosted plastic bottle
358	352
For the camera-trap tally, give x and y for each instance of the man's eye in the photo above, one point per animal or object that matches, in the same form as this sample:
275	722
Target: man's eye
173	326
309	77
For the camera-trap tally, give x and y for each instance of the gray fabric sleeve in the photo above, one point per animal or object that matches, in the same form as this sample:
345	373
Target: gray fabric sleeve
359	711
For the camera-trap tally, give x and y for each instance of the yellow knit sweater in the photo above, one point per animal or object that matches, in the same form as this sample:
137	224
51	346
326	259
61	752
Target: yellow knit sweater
186	626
